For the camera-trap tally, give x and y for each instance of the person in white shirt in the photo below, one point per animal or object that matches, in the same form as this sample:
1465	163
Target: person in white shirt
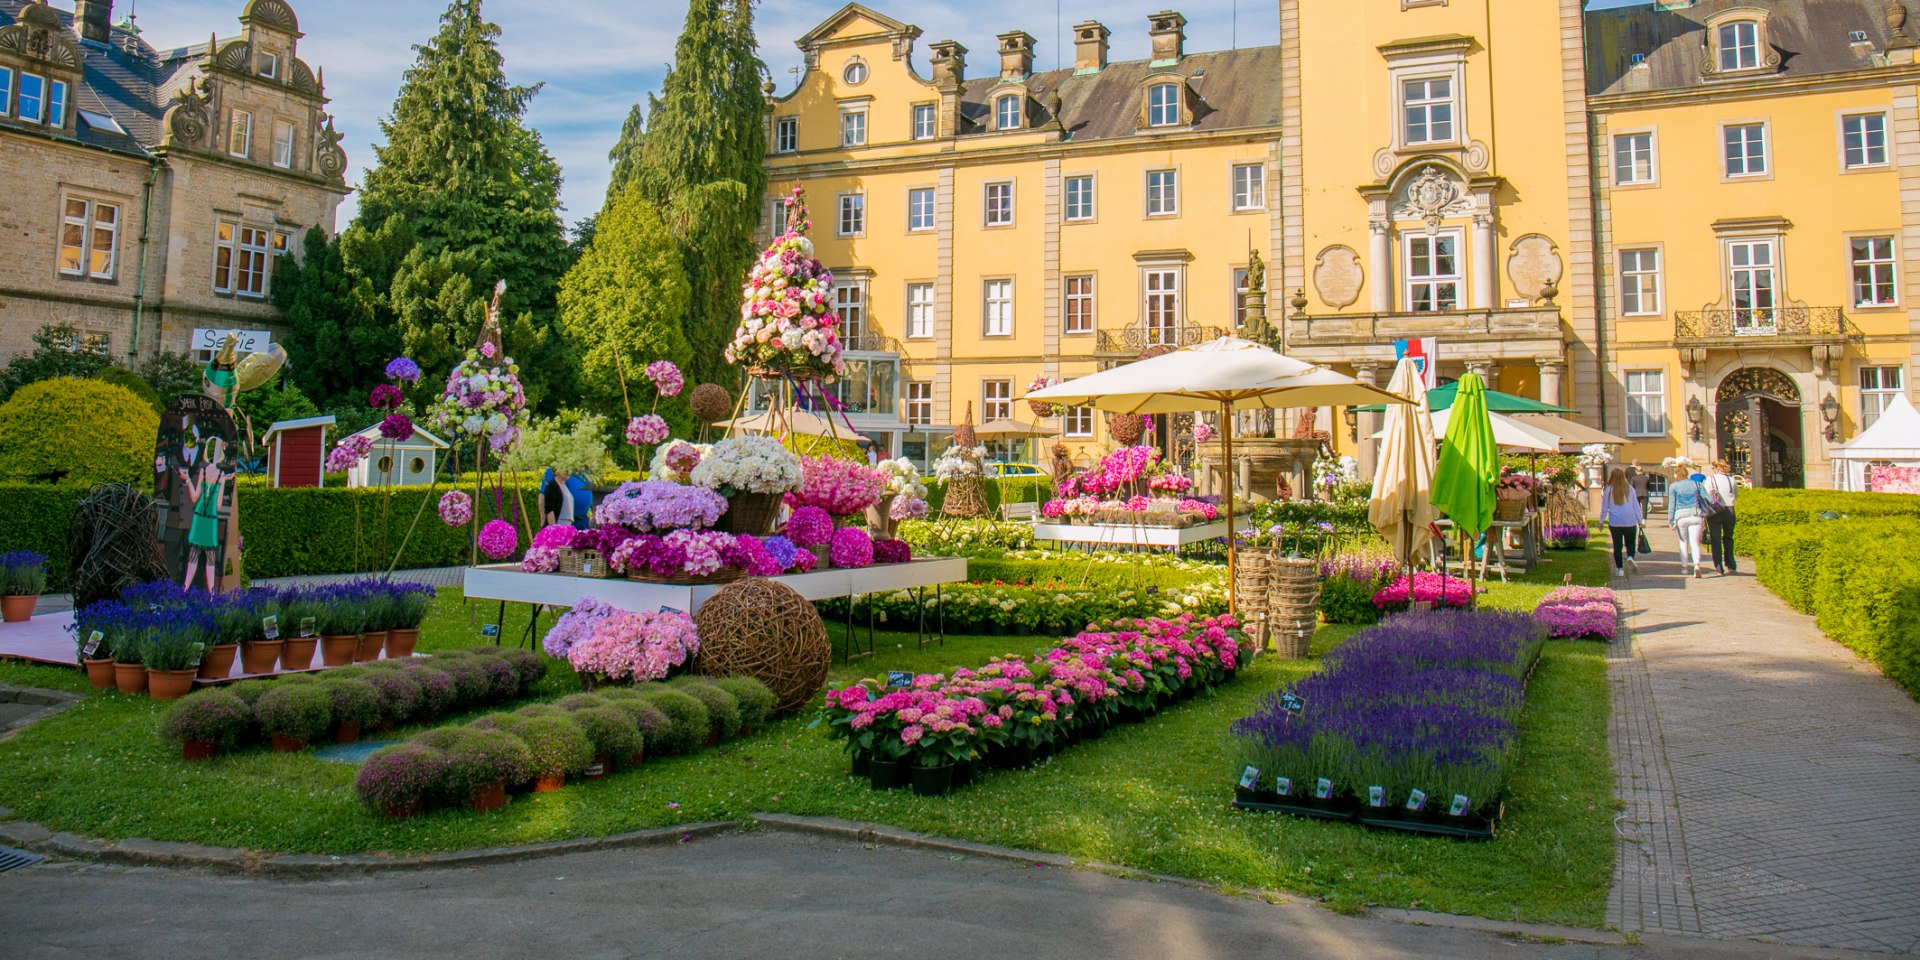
1721	490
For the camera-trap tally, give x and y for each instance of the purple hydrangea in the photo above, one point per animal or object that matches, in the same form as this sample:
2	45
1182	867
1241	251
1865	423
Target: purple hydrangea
403	370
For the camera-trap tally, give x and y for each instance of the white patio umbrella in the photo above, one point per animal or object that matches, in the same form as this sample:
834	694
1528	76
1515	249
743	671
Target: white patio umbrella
789	421
1402	504
1011	430
1221	375
1508	433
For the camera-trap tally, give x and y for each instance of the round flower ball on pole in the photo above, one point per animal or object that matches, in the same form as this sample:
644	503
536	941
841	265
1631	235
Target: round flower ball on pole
787	325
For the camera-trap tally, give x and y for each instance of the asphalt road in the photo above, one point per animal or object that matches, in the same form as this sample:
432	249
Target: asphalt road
759	895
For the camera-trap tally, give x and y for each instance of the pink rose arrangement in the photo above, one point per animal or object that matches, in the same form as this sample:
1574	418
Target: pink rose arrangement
840	487
787	323
1170	483
907	508
1202	432
559	536
647	429
852	548
656	506
456	509
809	527
666	378
498	539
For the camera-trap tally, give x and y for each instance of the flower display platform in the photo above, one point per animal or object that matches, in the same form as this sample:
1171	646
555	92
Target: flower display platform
47	639
1133	534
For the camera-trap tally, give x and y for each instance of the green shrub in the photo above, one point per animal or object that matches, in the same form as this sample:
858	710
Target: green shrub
135	384
581	701
656	731
1858	577
439	692
79	432
1787	559
559	746
1346	598
38	517
352	701
998	490
1770	508
296	711
611	732
215	716
757	703
723	711
478	758
687	719
1095	574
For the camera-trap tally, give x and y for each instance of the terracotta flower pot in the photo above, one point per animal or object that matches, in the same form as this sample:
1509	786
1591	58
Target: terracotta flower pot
218	662
169	684
258	656
298	653
18	608
286	744
338	651
369	647
198	749
549	782
400	642
637	758
599	769
131	678
100	673
403	811
493	796
346	732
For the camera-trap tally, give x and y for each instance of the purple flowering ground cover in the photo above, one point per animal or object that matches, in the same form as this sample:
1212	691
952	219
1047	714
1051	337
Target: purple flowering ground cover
1152	796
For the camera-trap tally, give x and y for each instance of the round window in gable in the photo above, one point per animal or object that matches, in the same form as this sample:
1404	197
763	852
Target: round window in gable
386	464
417	465
855	74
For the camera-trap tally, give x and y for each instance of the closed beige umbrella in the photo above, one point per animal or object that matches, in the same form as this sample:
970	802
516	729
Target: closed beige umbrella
1011	430
1402	505
792	421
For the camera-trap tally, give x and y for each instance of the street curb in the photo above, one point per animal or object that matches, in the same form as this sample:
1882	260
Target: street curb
50	702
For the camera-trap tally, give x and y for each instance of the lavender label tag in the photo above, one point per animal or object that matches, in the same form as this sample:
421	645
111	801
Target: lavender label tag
1283	786
1249	777
1323	789
1459	806
1417	800
93	643
270	626
306	626
1376	796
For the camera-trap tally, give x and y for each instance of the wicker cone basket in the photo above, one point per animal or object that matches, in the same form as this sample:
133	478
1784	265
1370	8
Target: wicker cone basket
751	513
1293	604
764	629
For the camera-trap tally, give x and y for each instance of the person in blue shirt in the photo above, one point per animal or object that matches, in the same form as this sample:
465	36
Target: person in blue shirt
1688	518
1621	511
570	500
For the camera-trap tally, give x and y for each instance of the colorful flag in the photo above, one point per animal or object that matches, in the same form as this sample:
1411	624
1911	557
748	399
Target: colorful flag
1425	352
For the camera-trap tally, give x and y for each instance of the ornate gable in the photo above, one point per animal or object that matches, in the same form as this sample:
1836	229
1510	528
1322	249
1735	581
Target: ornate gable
39	36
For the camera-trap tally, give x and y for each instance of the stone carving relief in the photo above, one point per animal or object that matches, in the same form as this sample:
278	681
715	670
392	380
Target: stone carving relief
236	56
1534	266
1432	196
329	159
273	14
1477	157
40	35
188	120
1337	276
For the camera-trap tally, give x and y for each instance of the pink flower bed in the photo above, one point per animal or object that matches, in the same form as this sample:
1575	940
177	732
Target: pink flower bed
1579	613
1446	591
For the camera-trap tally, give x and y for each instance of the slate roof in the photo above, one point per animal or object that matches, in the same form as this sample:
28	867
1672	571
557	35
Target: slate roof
126	79
1237	88
1810	36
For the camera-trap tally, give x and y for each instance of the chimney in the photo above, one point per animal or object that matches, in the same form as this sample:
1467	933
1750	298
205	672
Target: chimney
1090	47
1016	55
94	18
1168	30
949	64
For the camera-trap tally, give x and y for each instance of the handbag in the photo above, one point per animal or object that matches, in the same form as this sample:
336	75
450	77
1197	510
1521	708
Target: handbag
1644	546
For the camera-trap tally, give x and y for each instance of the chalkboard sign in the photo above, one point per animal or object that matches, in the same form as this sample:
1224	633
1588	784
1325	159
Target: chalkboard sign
1293	704
490	630
899	678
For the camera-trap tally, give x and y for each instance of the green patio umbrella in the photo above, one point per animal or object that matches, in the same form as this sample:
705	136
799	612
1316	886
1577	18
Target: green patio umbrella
1469	464
1442	397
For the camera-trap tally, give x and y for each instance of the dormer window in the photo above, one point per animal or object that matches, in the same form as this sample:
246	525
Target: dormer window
1739	45
270	66
1163	105
1006	112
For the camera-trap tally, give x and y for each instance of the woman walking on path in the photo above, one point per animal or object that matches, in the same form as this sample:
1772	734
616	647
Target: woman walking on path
1621	511
1688	519
1720	491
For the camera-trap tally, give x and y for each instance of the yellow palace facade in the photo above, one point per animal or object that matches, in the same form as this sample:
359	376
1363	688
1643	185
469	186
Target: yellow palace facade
1687	221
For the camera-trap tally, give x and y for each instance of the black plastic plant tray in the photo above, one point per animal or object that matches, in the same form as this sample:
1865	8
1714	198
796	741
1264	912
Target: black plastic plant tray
1461	828
1342	814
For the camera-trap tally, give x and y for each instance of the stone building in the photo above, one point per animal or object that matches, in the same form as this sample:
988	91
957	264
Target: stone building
148	191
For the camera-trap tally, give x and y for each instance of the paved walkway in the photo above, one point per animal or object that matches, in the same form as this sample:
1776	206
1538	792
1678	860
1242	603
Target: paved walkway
1771	778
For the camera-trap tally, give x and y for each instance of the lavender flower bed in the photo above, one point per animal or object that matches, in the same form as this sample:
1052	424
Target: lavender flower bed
1411	720
1569	536
1579	613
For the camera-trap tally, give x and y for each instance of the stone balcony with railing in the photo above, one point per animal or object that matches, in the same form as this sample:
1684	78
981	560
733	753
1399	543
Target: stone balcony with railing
1775	326
1502	332
1134	339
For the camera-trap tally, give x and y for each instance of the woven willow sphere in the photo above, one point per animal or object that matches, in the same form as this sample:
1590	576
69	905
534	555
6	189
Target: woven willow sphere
710	402
764	629
1126	428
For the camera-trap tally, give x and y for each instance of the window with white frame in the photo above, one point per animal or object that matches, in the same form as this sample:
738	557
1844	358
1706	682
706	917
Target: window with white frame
1633	158
998	204
996	400
240	134
1739	45
1745	149
6	91
853	215
1426	106
1239	297
89	238
1163	105
240	258
1873	279
57	103
1006	112
1163	193
853	128
1433	272
1646	403
1750	279
850	306
919	402
919	311
1077	423
855	74
786	134
1640	281
1878	387
1079	303
925	126
282	143
920	208
777	215
1249	186
996	308
1161	307
32	105
1863	140
1080	197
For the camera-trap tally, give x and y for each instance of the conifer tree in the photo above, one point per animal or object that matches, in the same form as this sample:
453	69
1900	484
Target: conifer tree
626	296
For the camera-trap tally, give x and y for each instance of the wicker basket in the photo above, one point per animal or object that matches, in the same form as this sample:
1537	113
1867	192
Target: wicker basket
1508	511
1293	604
751	513
584	563
722	575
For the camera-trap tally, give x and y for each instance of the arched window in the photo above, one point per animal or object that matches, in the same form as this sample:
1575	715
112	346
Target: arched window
855	74
1006	112
1163	105
1739	45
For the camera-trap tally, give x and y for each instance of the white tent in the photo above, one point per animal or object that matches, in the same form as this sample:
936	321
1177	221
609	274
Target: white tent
1508	433
1893	439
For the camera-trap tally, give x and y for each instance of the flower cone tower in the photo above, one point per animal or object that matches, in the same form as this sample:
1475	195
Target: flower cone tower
964	496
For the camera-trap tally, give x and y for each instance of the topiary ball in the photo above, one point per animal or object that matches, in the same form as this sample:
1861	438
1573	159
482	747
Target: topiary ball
77	431
710	402
764	629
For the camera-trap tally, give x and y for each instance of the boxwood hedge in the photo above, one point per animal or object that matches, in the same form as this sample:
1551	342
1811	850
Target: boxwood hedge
1858	577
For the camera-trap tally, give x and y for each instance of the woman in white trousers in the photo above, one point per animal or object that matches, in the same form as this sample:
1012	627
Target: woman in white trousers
1688	519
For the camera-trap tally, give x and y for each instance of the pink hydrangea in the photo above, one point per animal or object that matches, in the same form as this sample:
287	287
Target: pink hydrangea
648	429
456	508
852	548
555	536
840	487
540	560
892	551
907	508
636	646
666	377
498	539
809	527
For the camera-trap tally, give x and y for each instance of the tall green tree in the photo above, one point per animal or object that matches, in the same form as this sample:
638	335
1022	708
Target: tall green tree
625	299
701	162
336	346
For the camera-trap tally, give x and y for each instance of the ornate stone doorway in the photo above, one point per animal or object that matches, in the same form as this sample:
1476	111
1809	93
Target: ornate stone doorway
1758	412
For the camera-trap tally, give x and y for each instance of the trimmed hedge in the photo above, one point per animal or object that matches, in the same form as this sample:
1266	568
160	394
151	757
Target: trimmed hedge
1860	580
1111	575
1770	507
998	490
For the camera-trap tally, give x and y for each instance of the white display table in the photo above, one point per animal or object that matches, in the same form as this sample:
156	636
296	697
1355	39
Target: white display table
1139	535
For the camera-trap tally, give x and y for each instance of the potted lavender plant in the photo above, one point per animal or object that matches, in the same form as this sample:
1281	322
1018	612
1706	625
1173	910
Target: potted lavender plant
23	577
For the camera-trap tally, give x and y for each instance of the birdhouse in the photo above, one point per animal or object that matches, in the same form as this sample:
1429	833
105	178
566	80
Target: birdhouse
397	462
296	451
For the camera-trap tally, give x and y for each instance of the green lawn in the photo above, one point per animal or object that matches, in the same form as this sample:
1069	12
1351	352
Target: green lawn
1153	796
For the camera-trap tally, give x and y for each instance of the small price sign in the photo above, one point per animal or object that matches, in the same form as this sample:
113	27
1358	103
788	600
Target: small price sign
270	626
1376	796
1283	786
1323	789
306	626
1416	800
1459	806
1293	704
586	568
93	643
899	678
1249	777
490	630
